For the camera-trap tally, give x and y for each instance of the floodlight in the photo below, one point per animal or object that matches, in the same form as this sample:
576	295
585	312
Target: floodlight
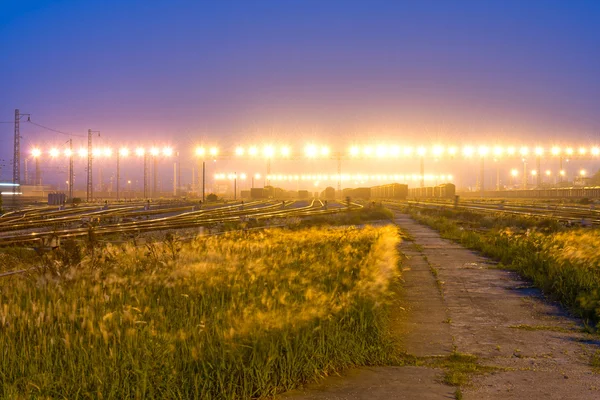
595	151
324	151
539	151
213	151
123	152
200	151
268	151
82	152
524	151
555	150
421	151
54	152
285	151
468	151
107	152
582	150
239	151
68	152
36	152
154	151
140	151
167	151
438	151
310	150
483	151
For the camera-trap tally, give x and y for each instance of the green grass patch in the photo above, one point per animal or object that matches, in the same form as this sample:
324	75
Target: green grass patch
242	315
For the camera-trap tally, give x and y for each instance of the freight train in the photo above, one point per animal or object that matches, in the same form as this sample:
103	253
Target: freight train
443	191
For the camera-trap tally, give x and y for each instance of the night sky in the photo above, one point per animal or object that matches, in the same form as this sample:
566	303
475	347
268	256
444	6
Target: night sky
230	72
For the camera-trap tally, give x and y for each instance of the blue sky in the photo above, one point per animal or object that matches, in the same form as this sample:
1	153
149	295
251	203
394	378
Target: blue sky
336	71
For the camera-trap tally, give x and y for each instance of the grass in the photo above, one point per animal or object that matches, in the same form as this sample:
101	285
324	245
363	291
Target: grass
243	315
564	263
595	361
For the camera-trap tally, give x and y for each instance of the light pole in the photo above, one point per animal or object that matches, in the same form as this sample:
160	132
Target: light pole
513	174
36	153
123	152
141	152
90	157
201	154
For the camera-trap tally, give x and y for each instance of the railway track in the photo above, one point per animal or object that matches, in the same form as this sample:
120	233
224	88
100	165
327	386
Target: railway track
186	218
567	214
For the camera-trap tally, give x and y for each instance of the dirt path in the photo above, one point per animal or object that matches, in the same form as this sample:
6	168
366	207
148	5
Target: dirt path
455	300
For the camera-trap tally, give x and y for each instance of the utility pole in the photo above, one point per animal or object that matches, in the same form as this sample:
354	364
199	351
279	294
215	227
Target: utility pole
71	169
90	155
17	147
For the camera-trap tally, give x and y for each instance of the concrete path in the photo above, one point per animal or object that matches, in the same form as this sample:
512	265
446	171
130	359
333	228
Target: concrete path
455	299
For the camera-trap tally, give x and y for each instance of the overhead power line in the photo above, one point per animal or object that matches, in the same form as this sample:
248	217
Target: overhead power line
55	130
